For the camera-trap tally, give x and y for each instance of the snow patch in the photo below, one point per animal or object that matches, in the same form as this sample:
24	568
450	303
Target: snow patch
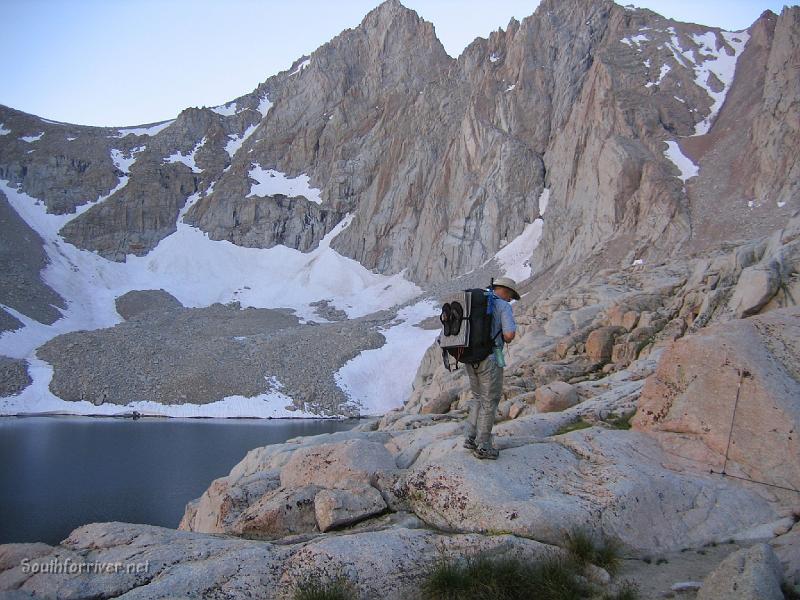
638	261
151	130
300	67
3	130
263	106
71	139
636	40
122	162
515	257
544	200
232	147
271	182
32	138
709	62
721	65
687	168
494	57
380	380
511	87
187	159
226	110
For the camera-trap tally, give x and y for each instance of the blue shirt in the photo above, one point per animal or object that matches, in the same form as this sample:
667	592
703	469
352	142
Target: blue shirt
502	320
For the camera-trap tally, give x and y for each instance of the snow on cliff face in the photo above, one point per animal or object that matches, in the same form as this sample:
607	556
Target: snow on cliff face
271	182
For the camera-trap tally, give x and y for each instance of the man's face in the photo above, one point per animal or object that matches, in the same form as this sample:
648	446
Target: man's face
504	293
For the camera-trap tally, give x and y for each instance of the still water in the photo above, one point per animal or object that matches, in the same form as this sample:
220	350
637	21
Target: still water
57	473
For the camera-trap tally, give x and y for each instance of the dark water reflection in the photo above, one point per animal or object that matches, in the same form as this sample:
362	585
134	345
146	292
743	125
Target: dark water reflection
57	473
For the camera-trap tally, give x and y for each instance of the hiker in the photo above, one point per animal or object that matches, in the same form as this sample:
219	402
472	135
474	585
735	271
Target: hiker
486	377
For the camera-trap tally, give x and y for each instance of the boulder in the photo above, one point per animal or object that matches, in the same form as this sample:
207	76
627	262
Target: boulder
440	404
564	370
556	396
630	319
787	548
337	507
605	480
328	464
756	286
747	365
386	564
279	513
390	564
747	574
225	499
517	406
600	343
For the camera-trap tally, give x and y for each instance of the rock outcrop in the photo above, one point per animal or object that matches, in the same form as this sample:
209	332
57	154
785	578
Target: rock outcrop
753	573
728	396
22	259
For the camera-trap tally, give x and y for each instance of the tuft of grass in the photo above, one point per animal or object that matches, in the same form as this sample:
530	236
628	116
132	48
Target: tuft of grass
627	590
580	545
577	425
622	421
609	555
503	578
584	549
315	587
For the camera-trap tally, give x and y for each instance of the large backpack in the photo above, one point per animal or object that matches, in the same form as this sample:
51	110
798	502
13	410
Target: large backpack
466	319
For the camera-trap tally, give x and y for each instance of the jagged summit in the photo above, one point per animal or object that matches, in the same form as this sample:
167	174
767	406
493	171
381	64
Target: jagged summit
442	162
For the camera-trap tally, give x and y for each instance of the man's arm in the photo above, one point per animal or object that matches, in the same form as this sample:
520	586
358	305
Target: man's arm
507	322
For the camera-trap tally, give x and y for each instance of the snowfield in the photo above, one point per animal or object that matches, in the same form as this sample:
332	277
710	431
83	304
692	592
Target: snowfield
378	380
199	272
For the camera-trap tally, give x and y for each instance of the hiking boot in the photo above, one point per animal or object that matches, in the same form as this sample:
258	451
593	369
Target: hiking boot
486	452
469	444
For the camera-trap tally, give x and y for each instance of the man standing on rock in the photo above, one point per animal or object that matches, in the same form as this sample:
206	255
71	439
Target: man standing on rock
486	377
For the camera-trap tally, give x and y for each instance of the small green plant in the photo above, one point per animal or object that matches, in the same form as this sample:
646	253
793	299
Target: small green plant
622	421
627	590
577	425
584	549
503	579
315	587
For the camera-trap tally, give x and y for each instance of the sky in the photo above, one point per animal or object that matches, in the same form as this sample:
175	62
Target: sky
132	62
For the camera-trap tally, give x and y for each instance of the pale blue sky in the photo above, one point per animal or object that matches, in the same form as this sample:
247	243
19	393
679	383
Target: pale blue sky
129	62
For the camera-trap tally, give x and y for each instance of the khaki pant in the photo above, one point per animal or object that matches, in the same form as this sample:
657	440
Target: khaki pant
486	381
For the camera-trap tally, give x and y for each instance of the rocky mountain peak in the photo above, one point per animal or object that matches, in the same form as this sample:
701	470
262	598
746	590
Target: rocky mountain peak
443	162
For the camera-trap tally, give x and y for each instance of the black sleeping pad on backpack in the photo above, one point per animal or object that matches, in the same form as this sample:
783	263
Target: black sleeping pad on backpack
480	343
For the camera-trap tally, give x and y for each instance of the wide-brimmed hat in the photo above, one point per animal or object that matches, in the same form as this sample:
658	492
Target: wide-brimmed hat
509	283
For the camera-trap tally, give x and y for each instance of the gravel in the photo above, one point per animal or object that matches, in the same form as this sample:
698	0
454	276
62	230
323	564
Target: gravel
170	354
13	376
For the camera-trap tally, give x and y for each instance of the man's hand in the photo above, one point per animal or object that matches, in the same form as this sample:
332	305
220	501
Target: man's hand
509	336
